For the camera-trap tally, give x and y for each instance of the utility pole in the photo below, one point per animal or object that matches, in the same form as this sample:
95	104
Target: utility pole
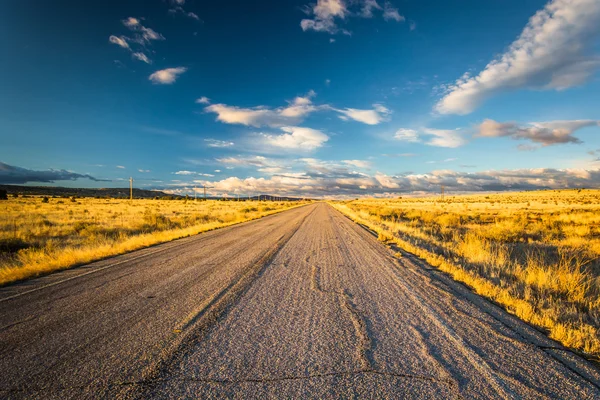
130	188
205	187
442	192
195	194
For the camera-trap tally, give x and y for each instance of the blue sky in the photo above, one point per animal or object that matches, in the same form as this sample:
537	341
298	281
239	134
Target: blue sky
328	98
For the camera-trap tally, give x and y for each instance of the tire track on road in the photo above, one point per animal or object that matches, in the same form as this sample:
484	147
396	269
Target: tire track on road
210	313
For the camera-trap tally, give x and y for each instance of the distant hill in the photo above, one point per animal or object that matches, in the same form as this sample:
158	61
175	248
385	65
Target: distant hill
119	193
82	192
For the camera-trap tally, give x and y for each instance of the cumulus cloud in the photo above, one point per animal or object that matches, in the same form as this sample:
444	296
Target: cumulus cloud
297	138
407	135
166	76
324	14
10	174
328	179
296	111
119	41
378	114
544	133
218	143
203	100
554	51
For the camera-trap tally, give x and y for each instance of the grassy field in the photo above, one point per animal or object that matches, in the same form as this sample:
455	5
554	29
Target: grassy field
38	237
536	253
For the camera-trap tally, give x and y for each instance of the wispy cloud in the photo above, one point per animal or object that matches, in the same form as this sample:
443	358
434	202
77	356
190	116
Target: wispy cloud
141	57
544	133
10	174
554	51
167	76
358	163
437	137
326	14
391	13
445	137
218	143
203	100
178	10
119	41
143	35
407	135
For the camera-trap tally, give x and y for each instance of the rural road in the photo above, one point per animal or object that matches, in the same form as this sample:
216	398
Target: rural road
301	304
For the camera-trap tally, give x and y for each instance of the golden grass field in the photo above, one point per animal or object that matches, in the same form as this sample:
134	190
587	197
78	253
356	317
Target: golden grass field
38	237
535	253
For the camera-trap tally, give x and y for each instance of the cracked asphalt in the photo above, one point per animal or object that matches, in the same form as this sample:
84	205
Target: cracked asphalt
301	304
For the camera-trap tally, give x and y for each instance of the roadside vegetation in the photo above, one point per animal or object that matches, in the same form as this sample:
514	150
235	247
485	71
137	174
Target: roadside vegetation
41	234
535	253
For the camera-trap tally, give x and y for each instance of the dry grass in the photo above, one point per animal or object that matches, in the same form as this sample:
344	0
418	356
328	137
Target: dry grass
536	253
38	237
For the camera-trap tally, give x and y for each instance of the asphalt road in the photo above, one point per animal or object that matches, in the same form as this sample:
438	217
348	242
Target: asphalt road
302	304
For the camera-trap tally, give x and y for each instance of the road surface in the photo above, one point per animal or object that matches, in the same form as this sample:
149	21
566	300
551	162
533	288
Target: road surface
301	304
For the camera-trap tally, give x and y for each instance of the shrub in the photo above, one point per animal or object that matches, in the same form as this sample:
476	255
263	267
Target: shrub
3	195
45	199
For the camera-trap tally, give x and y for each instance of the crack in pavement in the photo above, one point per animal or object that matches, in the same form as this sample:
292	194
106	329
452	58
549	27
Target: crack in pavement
365	346
152	382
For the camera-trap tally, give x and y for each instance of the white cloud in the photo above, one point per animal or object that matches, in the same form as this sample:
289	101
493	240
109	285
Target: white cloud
545	133
203	100
325	12
185	173
166	76
142	57
298	138
375	116
391	13
445	138
119	41
218	143
295	112
120	167
144	170
554	51
407	135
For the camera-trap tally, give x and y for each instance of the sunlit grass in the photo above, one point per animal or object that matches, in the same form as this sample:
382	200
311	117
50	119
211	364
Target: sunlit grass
536	253
38	237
